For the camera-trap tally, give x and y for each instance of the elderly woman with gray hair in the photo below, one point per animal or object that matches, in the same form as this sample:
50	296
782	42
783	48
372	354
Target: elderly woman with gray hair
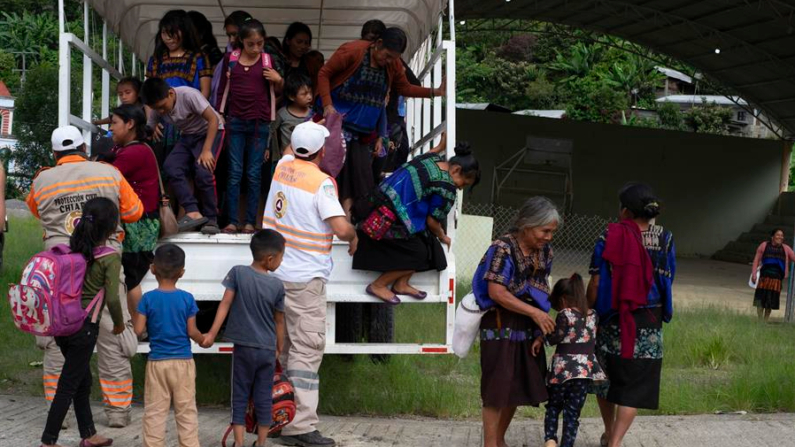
512	281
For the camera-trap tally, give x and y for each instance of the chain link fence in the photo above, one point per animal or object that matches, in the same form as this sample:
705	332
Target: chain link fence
572	245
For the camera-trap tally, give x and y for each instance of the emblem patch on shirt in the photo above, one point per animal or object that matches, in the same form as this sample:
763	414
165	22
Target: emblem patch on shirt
280	205
71	221
330	191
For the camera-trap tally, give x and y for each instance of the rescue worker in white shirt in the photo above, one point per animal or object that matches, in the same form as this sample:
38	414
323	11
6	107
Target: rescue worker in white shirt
56	199
303	205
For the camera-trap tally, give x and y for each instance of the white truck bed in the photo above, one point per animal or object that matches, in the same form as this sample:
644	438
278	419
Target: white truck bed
209	258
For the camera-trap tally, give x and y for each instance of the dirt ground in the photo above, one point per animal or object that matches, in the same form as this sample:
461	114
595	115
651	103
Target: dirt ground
704	282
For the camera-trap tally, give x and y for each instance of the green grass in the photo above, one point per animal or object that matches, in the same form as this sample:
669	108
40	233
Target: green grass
17	349
715	360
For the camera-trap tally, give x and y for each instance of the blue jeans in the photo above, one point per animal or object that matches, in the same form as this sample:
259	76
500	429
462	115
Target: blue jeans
247	142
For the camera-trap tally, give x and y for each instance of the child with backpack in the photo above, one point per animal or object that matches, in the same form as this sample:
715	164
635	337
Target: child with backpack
194	155
168	314
100	287
248	102
254	300
574	366
298	92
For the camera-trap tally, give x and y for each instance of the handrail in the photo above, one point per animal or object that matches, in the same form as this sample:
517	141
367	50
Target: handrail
435	132
431	62
96	58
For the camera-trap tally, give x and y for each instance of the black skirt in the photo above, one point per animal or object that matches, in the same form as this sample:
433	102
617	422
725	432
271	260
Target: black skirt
632	382
355	180
768	290
419	253
136	266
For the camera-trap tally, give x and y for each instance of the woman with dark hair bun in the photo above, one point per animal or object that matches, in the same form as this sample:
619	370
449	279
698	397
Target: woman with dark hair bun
632	273
770	268
355	82
400	229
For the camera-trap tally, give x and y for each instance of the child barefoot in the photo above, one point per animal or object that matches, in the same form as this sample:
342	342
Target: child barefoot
254	300
574	364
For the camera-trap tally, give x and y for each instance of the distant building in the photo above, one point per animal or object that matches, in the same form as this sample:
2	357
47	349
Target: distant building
6	118
743	123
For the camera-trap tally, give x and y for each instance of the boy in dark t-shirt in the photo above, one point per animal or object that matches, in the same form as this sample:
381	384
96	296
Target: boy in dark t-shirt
254	300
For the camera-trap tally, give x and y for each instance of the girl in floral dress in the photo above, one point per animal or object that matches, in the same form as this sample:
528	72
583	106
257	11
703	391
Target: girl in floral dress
574	364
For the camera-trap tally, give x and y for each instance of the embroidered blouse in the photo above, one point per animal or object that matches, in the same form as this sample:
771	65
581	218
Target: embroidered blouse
659	243
185	70
526	277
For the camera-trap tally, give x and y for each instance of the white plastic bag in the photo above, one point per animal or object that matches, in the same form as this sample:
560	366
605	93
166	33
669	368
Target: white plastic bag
467	325
751	282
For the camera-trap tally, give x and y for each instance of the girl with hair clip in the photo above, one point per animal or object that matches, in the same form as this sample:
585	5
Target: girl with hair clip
97	224
574	364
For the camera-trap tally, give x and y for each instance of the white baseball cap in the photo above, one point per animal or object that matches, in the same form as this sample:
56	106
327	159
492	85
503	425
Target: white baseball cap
308	138
66	138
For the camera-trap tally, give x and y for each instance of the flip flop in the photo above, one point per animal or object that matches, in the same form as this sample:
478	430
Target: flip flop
188	223
228	230
394	301
420	296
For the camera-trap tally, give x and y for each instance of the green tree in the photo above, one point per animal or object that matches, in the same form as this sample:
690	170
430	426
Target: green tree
7	74
35	117
671	117
580	61
589	99
709	118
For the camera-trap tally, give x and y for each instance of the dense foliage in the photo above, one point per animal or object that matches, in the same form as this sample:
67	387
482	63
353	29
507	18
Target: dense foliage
591	81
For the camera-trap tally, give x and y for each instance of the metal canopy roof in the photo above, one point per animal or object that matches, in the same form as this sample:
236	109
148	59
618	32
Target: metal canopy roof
747	45
333	22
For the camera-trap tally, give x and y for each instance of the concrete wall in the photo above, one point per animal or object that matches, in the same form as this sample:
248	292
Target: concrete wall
713	188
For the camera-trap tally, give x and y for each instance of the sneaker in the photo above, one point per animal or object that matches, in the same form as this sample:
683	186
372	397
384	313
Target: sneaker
313	439
118	420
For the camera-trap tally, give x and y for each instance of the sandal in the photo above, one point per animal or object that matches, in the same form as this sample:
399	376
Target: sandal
188	223
248	229
229	229
603	441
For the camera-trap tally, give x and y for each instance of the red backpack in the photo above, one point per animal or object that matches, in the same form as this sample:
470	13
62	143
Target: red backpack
267	62
282	411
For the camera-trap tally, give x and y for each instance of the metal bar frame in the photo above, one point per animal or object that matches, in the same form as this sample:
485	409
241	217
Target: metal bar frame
427	119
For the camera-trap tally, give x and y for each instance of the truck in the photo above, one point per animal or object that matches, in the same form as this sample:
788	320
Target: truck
352	315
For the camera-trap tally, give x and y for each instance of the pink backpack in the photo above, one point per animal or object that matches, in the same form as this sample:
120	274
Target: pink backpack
46	301
234	56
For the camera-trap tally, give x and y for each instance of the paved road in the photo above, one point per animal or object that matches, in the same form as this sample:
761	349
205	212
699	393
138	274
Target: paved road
22	419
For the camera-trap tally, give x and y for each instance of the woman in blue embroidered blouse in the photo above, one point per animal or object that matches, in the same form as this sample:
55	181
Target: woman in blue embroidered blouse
633	382
400	229
512	280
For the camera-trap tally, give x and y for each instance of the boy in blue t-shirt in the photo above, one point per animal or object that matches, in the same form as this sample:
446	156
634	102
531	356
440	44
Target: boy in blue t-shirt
254	300
169	316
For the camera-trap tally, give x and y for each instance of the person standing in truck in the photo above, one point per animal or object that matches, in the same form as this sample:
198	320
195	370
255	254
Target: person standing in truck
303	205
56	198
